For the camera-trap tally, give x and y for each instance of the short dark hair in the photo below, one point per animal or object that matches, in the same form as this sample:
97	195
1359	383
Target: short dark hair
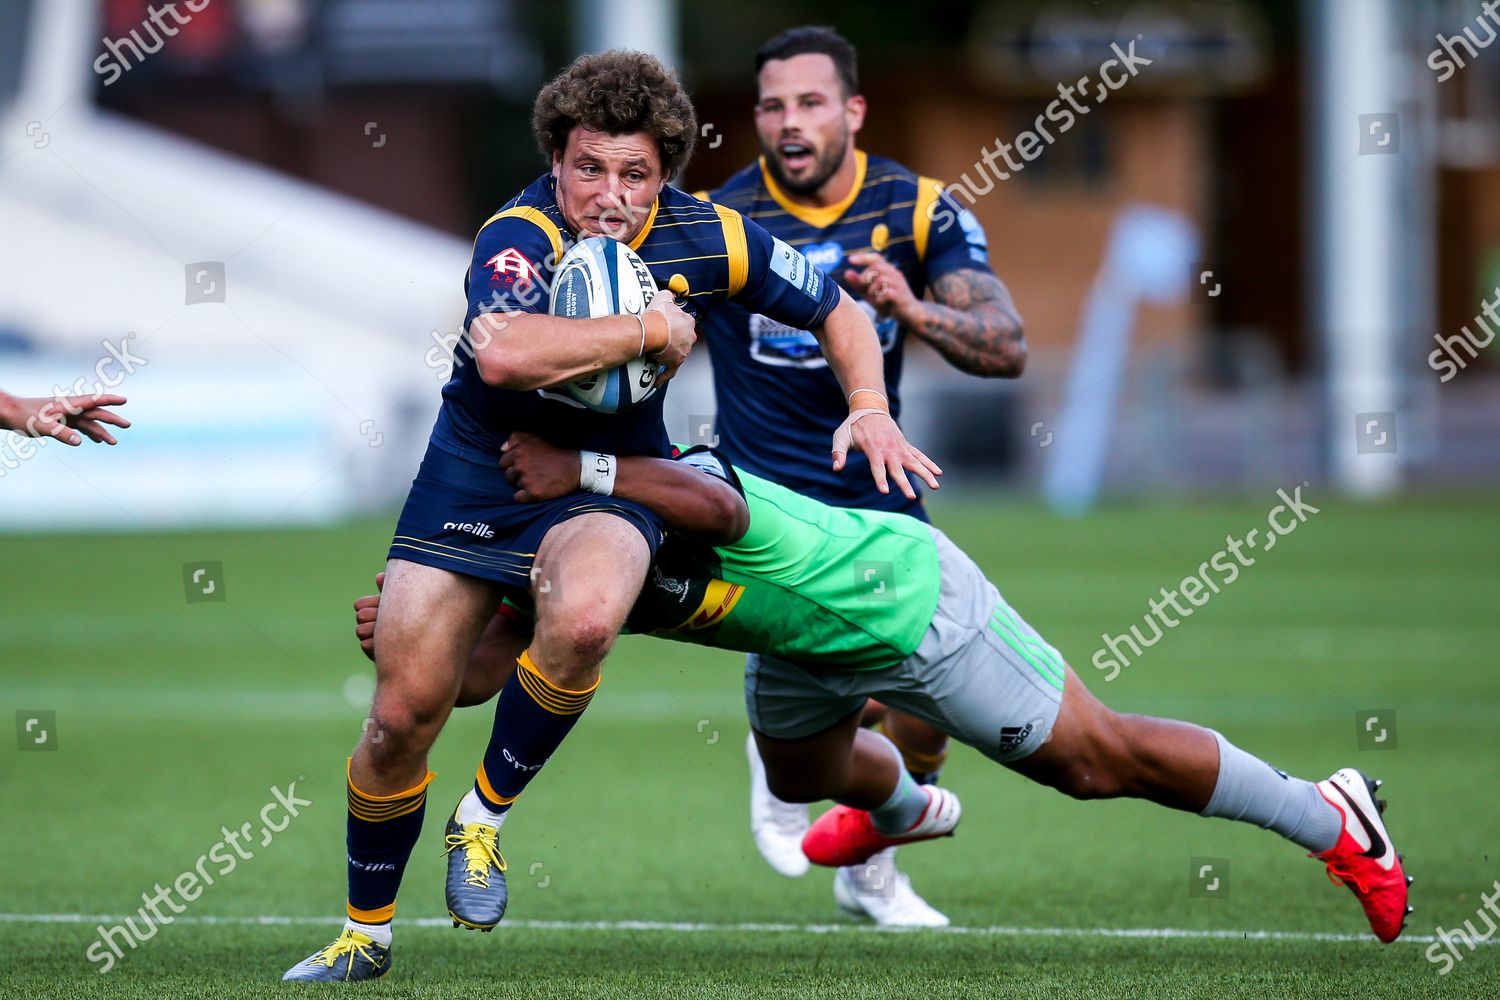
618	92
815	40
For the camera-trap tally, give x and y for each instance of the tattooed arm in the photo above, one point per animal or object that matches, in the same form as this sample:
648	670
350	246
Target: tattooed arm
971	321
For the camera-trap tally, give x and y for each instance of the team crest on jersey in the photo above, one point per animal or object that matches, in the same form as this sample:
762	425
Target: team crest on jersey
773	343
511	264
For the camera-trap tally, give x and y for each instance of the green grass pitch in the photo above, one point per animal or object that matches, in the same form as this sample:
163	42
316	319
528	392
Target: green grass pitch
175	719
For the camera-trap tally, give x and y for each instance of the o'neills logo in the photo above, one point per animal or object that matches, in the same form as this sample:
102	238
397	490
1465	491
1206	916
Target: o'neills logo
477	530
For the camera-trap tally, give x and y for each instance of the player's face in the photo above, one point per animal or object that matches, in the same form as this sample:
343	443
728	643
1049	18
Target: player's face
606	184
805	122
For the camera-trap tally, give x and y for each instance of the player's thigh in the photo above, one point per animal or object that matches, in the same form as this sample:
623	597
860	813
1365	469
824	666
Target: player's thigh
588	573
1086	740
981	673
789	703
429	621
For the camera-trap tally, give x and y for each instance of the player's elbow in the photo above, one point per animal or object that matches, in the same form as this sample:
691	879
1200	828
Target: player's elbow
1006	357
726	516
1014	361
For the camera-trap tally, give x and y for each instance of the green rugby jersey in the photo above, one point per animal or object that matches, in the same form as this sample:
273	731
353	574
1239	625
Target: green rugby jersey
832	586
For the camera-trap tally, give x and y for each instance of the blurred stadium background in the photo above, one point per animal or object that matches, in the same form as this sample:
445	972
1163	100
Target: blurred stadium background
292	185
1232	273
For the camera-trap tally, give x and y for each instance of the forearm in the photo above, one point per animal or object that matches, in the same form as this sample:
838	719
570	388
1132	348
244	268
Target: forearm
853	352
688	500
986	341
972	322
534	350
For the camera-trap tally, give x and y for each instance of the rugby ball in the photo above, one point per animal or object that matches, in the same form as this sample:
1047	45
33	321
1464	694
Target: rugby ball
604	277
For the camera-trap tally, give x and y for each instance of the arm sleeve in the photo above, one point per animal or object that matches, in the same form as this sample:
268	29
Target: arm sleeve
783	284
512	267
711	463
955	247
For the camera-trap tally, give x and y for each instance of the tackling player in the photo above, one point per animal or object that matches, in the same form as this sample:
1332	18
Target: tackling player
868	220
950	650
615	128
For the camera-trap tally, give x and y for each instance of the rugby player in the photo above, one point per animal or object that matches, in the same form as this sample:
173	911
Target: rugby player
788	590
615	128
867	220
57	416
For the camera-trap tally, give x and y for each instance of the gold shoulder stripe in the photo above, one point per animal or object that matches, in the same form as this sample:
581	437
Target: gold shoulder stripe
701	195
536	218
928	190
736	247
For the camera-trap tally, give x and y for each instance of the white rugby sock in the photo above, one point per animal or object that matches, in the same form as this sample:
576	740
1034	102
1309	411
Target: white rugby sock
379	933
472	810
1251	791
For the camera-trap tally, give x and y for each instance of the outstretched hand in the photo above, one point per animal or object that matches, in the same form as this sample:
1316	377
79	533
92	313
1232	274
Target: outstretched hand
875	433
56	416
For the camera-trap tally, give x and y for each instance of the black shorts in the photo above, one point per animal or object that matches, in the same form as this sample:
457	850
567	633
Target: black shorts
462	516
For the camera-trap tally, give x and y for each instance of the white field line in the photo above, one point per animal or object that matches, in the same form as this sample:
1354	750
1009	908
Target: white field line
749	928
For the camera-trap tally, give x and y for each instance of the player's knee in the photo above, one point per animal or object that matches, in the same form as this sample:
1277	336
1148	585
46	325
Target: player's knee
1096	766
578	643
1087	779
401	725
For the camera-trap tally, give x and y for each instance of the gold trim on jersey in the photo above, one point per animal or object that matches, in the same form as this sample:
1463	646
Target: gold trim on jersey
928	190
818	218
536	218
735	246
640	237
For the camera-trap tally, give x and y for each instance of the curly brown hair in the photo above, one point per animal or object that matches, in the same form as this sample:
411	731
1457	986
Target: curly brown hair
618	92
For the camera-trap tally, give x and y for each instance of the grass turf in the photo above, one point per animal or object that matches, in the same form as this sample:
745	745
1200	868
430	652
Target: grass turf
174	720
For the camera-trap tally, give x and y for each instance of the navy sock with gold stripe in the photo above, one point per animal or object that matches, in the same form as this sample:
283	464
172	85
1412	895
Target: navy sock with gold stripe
532	718
382	830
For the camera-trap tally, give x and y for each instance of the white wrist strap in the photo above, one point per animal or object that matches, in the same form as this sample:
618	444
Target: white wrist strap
596	472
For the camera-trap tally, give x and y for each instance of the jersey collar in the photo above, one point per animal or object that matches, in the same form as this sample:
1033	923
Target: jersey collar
818	218
640	237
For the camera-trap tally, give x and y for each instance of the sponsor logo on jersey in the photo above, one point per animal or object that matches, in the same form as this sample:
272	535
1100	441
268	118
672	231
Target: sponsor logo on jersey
973	236
475	529
511	264
793	268
824	255
773	343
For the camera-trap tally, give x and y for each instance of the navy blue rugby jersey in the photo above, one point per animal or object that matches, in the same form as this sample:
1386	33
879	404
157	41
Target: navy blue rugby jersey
777	399
706	254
